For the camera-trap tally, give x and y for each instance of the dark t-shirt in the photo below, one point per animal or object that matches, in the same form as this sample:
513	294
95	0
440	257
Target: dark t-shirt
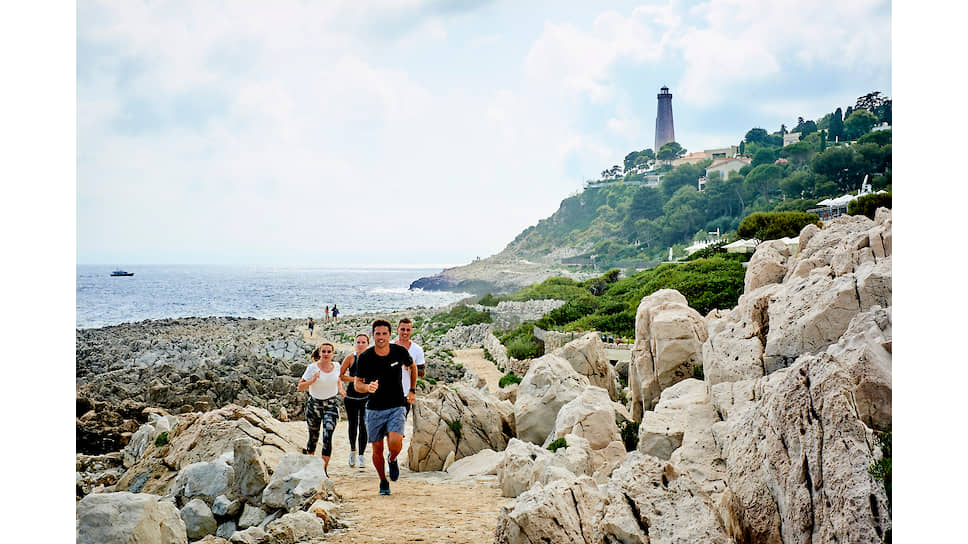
388	369
351	391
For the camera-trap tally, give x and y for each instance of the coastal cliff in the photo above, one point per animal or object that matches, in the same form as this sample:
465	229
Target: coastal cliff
499	274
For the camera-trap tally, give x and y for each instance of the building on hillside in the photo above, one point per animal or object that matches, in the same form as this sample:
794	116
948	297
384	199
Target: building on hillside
835	207
791	138
721	153
691	158
665	131
725	166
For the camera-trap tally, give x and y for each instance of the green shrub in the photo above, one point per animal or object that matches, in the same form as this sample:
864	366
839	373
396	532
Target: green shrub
489	300
161	439
697	372
455	427
630	434
556	444
867	205
521	343
508	379
775	225
881	469
461	314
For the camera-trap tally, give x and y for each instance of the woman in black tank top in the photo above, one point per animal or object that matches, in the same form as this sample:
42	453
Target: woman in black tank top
355	403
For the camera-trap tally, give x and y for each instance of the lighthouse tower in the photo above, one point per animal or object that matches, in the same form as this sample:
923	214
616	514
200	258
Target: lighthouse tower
664	130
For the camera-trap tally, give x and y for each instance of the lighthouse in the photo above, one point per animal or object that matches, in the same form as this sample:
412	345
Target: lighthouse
664	129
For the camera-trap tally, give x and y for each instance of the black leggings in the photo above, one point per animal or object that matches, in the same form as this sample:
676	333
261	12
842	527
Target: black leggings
356	420
322	417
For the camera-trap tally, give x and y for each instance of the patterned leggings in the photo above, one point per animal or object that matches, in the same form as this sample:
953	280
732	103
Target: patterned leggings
322	415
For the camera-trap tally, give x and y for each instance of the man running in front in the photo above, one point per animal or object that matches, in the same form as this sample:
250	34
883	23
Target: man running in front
380	370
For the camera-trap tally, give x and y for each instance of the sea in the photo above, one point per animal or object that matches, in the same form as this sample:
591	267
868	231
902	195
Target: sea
262	292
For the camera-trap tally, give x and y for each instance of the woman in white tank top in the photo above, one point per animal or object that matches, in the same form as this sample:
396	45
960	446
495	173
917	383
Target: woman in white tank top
321	380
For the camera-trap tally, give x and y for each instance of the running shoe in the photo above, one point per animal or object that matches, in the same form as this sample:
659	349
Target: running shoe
362	462
394	470
384	487
353	458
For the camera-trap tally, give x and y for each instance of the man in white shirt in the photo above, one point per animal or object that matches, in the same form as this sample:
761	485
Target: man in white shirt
404	330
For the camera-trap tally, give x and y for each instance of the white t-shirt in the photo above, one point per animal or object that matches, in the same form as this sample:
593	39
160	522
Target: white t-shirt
328	383
416	353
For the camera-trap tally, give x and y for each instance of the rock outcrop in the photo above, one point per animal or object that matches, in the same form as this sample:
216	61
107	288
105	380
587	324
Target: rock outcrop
549	384
668	345
461	420
775	445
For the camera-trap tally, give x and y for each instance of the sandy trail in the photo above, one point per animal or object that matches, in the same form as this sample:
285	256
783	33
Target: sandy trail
474	360
423	506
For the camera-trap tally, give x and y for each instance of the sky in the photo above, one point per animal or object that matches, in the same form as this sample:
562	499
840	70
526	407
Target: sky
417	131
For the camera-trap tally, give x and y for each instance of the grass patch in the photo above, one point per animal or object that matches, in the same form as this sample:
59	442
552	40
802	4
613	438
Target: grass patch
508	379
161	439
557	444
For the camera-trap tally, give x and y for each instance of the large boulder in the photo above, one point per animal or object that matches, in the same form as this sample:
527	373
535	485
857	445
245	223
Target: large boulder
251	474
296	527
123	517
669	336
587	356
550	383
296	482
767	265
206	480
648	500
199	519
482	463
563	511
517	472
461	420
590	415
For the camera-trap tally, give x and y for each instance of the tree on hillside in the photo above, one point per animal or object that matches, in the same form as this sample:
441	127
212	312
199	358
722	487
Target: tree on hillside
764	179
841	166
756	136
879	137
858	124
682	175
670	151
836	128
877	104
775	225
684	214
763	156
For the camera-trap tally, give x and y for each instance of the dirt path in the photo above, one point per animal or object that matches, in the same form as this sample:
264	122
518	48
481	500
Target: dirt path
474	360
423	507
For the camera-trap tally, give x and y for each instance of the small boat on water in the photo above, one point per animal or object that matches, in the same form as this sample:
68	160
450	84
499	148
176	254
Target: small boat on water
122	273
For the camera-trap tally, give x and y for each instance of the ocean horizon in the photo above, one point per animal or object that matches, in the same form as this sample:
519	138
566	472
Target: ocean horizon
259	291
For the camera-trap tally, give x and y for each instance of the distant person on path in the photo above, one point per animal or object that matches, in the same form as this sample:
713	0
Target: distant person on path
327	313
322	381
379	371
311	325
404	330
335	312
355	402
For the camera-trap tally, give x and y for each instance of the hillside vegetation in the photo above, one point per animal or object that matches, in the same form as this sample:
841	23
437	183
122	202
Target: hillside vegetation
623	222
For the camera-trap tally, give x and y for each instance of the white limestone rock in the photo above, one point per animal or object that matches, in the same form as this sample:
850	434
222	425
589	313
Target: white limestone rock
669	336
296	480
123	517
587	356
461	421
550	383
199	519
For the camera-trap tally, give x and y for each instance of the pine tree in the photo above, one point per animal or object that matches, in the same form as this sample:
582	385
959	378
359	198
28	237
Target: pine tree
836	129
